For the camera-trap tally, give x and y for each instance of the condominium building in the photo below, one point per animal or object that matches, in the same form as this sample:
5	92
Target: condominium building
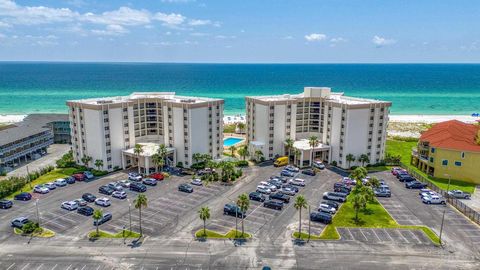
343	125
108	128
30	139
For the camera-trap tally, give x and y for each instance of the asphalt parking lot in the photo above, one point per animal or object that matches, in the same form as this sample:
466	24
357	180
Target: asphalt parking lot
406	208
380	235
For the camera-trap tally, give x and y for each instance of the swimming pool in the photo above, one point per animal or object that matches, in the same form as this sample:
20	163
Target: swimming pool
231	141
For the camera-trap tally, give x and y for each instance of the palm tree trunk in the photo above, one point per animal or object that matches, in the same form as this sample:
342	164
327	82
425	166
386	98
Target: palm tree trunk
356	215
97	229
300	223
138	165
289	155
204	227
242	227
140	221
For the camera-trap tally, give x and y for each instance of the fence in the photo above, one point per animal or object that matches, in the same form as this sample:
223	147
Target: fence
463	208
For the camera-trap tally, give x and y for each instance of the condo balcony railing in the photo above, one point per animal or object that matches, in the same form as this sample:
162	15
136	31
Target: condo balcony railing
27	142
27	151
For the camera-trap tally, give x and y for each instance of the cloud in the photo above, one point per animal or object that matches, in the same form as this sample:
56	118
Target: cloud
4	25
178	1
315	37
198	34
338	40
15	14
381	41
287	37
225	37
111	30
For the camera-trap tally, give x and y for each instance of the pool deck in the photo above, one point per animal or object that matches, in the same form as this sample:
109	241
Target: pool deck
242	137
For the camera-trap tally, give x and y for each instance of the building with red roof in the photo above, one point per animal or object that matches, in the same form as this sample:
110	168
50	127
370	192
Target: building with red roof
450	149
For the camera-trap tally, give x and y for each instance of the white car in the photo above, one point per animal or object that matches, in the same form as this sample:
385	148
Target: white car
326	208
196	182
297	182
269	186
434	199
105	202
292	168
50	185
265	188
81	202
124	183
319	165
70	206
41	189
60	182
428	193
119	195
134	177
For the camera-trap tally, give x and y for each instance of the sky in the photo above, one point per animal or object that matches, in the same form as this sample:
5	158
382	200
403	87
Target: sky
246	31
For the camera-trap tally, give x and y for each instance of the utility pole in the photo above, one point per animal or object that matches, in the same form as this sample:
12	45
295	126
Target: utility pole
444	210
308	223
236	222
38	213
29	178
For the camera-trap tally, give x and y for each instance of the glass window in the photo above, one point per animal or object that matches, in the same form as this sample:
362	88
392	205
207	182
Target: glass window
458	163
433	149
463	154
431	159
444	162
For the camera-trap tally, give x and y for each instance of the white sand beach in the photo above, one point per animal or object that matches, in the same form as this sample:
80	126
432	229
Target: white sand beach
432	118
13	118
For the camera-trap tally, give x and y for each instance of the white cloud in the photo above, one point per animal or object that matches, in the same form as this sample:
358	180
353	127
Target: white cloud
287	37
315	37
111	30
178	1
4	25
338	40
225	37
171	19
381	41
123	16
198	34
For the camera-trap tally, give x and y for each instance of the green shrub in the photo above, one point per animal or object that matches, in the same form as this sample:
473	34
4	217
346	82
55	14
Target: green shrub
66	160
241	163
99	173
198	166
30	227
179	164
334	163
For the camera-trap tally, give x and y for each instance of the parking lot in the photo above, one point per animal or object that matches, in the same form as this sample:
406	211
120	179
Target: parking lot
380	235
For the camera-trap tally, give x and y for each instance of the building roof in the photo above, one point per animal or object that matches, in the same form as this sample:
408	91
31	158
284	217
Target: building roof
453	134
31	125
148	149
304	144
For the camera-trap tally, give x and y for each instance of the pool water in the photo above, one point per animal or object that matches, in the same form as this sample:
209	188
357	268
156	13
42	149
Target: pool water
231	141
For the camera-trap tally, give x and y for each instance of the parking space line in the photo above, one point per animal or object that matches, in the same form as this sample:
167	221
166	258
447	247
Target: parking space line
363	234
12	265
68	268
351	234
25	266
373	230
54	267
388	234
40	266
83	267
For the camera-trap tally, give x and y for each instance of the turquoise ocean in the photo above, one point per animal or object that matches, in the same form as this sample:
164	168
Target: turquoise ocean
413	88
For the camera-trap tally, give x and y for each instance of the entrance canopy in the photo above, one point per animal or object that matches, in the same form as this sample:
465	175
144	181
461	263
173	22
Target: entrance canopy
145	157
321	152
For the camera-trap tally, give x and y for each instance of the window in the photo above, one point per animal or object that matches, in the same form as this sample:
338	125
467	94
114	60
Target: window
445	162
462	154
458	163
431	159
433	150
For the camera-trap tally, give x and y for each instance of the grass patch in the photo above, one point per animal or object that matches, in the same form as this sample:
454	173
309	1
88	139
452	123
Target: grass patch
404	149
104	234
304	236
216	235
375	216
49	177
378	168
44	233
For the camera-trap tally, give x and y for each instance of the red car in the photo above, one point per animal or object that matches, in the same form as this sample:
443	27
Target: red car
156	176
79	177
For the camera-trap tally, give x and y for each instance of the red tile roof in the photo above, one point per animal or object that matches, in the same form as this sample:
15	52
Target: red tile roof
454	135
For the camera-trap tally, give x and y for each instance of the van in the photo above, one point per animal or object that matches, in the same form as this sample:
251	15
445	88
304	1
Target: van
281	161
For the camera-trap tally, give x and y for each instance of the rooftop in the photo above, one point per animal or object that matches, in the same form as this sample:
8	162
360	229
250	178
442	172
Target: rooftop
168	96
31	125
453	134
149	149
305	145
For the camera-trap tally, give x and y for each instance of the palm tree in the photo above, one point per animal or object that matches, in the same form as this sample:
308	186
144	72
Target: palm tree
137	150
196	157
313	142
243	203
99	164
350	158
204	214
289	146
374	182
162	152
243	152
358	201
97	215
258	154
156	159
241	127
300	202
86	159
140	202
232	150
358	174
297	154
363	159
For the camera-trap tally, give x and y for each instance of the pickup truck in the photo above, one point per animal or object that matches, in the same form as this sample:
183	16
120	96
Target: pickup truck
458	194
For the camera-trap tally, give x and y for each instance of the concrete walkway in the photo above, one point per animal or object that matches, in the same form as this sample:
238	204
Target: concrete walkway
54	152
474	202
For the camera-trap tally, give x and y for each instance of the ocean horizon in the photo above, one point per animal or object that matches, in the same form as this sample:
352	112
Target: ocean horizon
414	89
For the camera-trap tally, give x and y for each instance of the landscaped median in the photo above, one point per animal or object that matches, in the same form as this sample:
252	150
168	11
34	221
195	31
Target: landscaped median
216	235
375	216
41	233
121	234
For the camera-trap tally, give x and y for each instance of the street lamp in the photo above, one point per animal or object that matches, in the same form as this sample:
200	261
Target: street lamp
308	222
38	213
130	214
445	209
236	216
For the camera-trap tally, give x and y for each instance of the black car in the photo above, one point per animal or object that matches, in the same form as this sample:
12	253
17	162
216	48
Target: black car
342	189
406	178
85	210
106	217
70	180
24	196
331	204
280	196
321	217
273	204
276	183
105	190
415	185
185	188
294	188
403	174
255	196
138	187
232	210
5	204
89	197
309	172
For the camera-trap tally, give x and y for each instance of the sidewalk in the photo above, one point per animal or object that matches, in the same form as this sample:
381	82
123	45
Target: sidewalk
474	201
